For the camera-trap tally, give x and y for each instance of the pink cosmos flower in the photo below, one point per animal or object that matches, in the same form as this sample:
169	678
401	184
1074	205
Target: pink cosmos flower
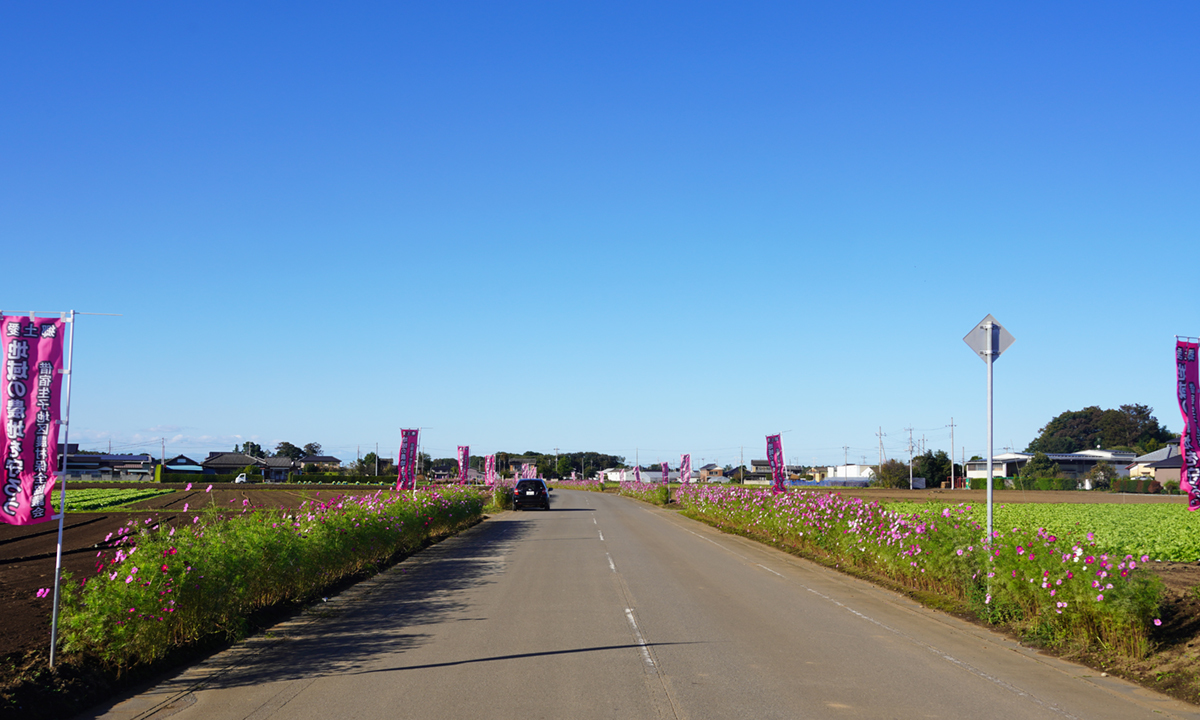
1157	621
43	592
189	486
208	489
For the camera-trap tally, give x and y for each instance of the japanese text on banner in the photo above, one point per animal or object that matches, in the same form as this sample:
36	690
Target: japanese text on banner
29	410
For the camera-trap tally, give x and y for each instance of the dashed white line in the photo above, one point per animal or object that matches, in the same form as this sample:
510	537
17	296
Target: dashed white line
601	535
764	567
641	641
610	562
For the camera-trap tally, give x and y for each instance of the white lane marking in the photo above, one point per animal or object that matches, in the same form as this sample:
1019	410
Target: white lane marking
945	656
594	521
641	641
610	562
948	658
764	567
601	535
714	542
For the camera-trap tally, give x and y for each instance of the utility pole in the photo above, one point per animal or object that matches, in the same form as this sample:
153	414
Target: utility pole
742	465
846	460
952	454
910	458
376	459
881	436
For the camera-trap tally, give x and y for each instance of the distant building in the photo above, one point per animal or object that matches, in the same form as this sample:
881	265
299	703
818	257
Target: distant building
1071	465
327	463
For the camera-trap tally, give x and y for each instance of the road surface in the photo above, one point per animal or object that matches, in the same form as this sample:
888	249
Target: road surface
604	607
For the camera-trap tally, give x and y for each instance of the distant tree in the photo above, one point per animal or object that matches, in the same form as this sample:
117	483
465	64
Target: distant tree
312	469
312	448
252	449
565	466
288	450
1074	430
892	474
934	467
1038	467
1102	474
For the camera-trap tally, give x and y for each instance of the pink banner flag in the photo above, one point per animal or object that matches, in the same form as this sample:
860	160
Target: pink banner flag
637	473
29	408
685	469
528	471
666	473
489	470
775	459
1187	376
464	463
407	460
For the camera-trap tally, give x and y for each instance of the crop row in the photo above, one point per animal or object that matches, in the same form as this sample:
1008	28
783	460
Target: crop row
91	499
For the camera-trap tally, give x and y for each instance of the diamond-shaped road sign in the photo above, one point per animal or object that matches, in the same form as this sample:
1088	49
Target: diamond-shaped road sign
977	339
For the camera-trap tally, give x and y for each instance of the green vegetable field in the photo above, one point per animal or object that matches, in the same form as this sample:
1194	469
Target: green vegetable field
92	499
1164	532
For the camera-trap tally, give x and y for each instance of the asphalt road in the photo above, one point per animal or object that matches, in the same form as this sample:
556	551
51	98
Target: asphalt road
607	608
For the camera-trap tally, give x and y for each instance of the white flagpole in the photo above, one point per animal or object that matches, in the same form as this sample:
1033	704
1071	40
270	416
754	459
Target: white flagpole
65	425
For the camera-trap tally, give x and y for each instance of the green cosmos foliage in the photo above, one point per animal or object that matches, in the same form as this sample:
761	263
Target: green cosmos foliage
655	493
1061	587
162	587
588	485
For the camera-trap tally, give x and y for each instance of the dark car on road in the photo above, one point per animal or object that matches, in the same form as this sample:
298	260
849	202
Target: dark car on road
531	493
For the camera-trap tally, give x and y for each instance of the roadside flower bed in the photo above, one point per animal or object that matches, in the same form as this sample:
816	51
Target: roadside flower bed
172	586
589	485
1061	589
655	493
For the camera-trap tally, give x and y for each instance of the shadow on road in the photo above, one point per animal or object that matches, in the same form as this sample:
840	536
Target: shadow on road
384	616
630	646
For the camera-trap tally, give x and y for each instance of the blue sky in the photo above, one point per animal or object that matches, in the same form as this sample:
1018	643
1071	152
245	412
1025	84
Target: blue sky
641	229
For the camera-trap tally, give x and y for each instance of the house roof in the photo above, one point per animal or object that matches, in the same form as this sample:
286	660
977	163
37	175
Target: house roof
1171	462
279	461
230	458
1160	454
320	459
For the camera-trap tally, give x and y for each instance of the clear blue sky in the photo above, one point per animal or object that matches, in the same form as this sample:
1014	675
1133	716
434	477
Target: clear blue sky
635	228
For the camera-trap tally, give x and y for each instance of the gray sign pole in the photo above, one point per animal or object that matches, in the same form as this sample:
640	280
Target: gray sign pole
988	339
990	332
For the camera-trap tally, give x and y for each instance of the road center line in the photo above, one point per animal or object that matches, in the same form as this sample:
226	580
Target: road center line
641	641
764	567
601	535
610	562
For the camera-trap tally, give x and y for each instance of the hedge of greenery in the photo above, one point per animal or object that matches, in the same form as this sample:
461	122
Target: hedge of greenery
167	586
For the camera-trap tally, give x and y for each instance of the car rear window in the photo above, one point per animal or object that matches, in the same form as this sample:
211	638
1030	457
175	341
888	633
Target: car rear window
529	485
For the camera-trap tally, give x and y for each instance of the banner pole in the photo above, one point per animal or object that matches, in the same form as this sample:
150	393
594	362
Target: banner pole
65	423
